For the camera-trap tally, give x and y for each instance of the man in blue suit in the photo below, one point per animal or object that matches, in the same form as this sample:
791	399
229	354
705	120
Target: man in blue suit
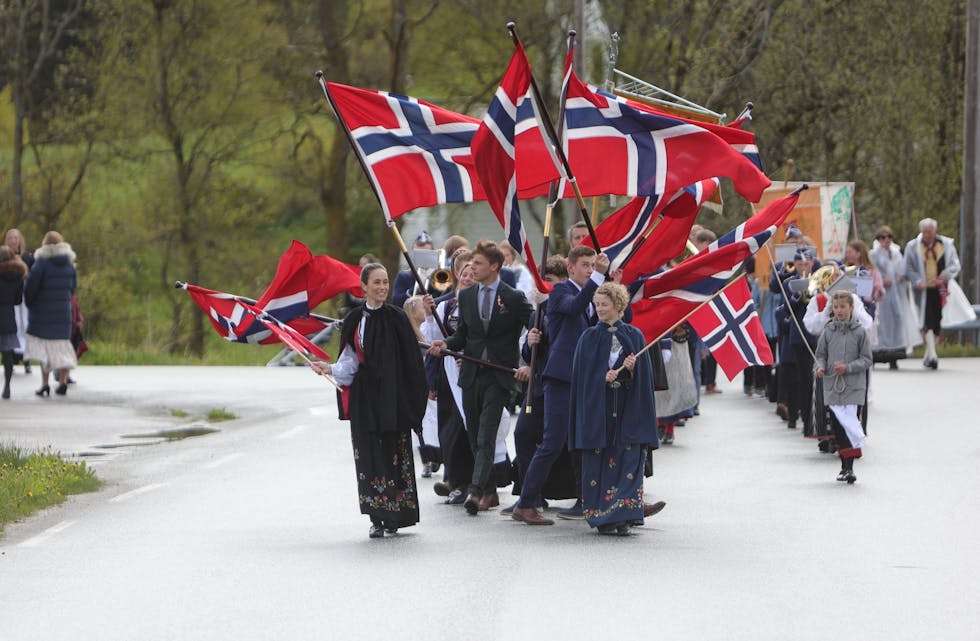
570	312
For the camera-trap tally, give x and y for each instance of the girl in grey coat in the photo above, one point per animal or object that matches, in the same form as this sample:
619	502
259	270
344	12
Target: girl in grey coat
842	360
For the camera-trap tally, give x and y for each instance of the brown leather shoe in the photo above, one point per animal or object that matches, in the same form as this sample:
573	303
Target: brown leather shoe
442	488
472	504
530	516
488	501
649	509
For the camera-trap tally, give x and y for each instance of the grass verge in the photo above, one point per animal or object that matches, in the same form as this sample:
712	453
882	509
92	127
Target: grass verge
32	481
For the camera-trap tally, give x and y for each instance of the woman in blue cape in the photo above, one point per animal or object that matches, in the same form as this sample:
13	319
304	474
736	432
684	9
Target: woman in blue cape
613	420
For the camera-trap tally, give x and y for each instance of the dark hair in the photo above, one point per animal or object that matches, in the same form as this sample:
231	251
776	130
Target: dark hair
367	269
489	250
705	236
883	231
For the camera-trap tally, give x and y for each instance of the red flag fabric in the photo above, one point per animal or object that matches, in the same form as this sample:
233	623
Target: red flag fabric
731	329
621	231
408	147
303	281
494	152
286	334
616	148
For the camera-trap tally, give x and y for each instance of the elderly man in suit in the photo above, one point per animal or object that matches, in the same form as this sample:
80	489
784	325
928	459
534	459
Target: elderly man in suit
492	316
931	262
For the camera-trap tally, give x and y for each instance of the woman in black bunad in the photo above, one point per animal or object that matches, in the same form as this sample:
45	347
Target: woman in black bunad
385	401
613	420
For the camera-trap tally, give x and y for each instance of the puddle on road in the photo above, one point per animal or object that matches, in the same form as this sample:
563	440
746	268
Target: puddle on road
175	434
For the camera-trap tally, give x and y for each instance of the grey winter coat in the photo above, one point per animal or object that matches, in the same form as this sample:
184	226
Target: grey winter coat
48	292
844	342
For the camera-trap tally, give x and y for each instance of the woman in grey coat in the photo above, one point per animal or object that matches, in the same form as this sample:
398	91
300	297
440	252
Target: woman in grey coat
842	360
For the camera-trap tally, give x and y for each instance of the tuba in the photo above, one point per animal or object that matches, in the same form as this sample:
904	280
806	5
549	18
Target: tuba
441	279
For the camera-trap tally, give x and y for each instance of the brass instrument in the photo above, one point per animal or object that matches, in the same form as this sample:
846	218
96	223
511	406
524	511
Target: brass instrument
822	279
441	281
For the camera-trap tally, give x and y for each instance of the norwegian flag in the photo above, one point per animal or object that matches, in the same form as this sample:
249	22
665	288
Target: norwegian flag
231	318
731	329
617	148
666	298
302	282
621	231
741	140
287	335
495	151
408	147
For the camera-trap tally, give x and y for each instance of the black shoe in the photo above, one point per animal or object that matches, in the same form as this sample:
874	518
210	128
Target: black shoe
623	529
574	513
61	390
44	391
606	529
850	478
842	476
472	504
791	424
391	530
6	391
27	367
376	532
892	364
456	497
71	381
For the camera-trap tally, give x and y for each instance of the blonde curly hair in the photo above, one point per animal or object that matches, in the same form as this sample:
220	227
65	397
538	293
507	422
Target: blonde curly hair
617	294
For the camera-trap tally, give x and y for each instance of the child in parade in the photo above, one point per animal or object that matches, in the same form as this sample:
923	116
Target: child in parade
843	357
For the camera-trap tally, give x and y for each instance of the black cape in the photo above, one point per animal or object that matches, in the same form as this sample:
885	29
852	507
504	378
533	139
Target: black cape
389	392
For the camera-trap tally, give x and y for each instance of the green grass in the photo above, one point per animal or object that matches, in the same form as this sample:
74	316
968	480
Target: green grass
178	413
32	481
218	415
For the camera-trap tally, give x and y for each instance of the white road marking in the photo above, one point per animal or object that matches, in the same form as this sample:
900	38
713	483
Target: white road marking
299	429
47	534
221	461
140	490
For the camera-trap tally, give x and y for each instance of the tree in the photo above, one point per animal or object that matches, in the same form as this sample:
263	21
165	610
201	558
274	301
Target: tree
188	87
33	34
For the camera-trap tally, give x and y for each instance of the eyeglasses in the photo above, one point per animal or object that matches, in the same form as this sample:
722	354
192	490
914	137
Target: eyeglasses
883	236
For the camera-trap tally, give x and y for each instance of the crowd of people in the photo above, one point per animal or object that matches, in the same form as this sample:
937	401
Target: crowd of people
40	320
467	356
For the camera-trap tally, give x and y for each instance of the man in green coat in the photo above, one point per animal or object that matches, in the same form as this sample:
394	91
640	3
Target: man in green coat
491	317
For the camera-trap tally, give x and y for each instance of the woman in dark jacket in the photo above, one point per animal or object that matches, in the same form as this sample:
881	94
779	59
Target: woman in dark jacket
381	363
15	241
48	296
12	273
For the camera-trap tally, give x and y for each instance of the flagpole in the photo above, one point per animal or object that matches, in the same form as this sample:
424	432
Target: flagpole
545	243
556	144
374	188
639	243
472	359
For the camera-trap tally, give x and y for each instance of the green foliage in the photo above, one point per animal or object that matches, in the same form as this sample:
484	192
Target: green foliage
217	415
32	481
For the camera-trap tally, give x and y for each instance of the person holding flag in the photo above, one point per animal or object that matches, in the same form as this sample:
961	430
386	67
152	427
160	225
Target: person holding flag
386	401
611	414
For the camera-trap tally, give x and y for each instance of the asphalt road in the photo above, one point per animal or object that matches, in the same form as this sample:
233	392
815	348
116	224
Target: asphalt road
253	532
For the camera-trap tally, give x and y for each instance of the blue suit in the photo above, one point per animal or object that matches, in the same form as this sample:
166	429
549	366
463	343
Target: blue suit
566	319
